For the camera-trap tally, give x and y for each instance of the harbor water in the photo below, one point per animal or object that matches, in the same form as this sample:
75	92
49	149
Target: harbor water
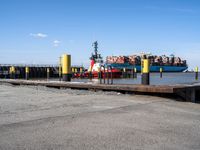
167	79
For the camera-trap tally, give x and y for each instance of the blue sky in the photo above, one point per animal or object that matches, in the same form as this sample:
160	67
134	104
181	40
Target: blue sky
39	31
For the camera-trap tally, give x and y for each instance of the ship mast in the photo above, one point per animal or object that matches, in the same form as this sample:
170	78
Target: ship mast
96	56
95	44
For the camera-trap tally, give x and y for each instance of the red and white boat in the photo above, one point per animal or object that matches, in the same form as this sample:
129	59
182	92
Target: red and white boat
97	66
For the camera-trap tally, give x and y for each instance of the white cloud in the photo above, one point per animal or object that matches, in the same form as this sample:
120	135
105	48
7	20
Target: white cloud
38	35
56	43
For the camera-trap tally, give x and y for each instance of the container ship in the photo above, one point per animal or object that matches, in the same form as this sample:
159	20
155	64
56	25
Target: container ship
167	63
119	63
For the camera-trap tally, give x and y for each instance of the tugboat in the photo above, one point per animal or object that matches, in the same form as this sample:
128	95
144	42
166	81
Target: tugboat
97	65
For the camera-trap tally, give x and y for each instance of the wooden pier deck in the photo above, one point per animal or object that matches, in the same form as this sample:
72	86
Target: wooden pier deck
186	92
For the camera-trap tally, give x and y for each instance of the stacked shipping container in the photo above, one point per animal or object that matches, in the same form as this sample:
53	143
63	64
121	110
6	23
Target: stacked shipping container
154	60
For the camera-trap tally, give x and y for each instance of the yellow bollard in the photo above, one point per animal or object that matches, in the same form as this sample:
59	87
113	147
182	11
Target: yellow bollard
76	70
27	73
73	70
145	72
124	73
66	67
135	72
196	73
161	70
48	73
12	72
81	70
13	69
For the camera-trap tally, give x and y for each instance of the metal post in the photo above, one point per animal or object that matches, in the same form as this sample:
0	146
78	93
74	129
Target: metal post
48	73
91	75
124	72
27	73
104	75
196	73
81	72
4	73
145	72
72	71
99	74
107	74
12	72
66	67
135	71
132	71
111	75
60	68
76	70
161	70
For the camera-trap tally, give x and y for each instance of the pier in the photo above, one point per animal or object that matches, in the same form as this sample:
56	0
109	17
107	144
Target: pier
35	71
189	93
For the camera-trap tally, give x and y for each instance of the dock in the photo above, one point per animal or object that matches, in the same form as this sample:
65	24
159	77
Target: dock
35	71
189	93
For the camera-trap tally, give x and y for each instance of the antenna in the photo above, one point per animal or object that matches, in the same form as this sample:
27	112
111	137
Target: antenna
96	56
95	44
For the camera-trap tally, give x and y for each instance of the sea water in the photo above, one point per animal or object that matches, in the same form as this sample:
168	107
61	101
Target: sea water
167	79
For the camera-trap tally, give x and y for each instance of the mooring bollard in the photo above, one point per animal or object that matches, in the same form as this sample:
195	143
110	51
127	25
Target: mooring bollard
66	67
81	72
128	74
12	72
99	75
135	73
104	74
161	71
72	71
90	75
124	73
145	72
4	73
48	73
196	73
111	75
76	70
60	68
27	73
107	75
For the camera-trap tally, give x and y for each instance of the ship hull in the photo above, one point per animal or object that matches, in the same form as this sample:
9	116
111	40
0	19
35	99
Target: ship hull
152	68
95	74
